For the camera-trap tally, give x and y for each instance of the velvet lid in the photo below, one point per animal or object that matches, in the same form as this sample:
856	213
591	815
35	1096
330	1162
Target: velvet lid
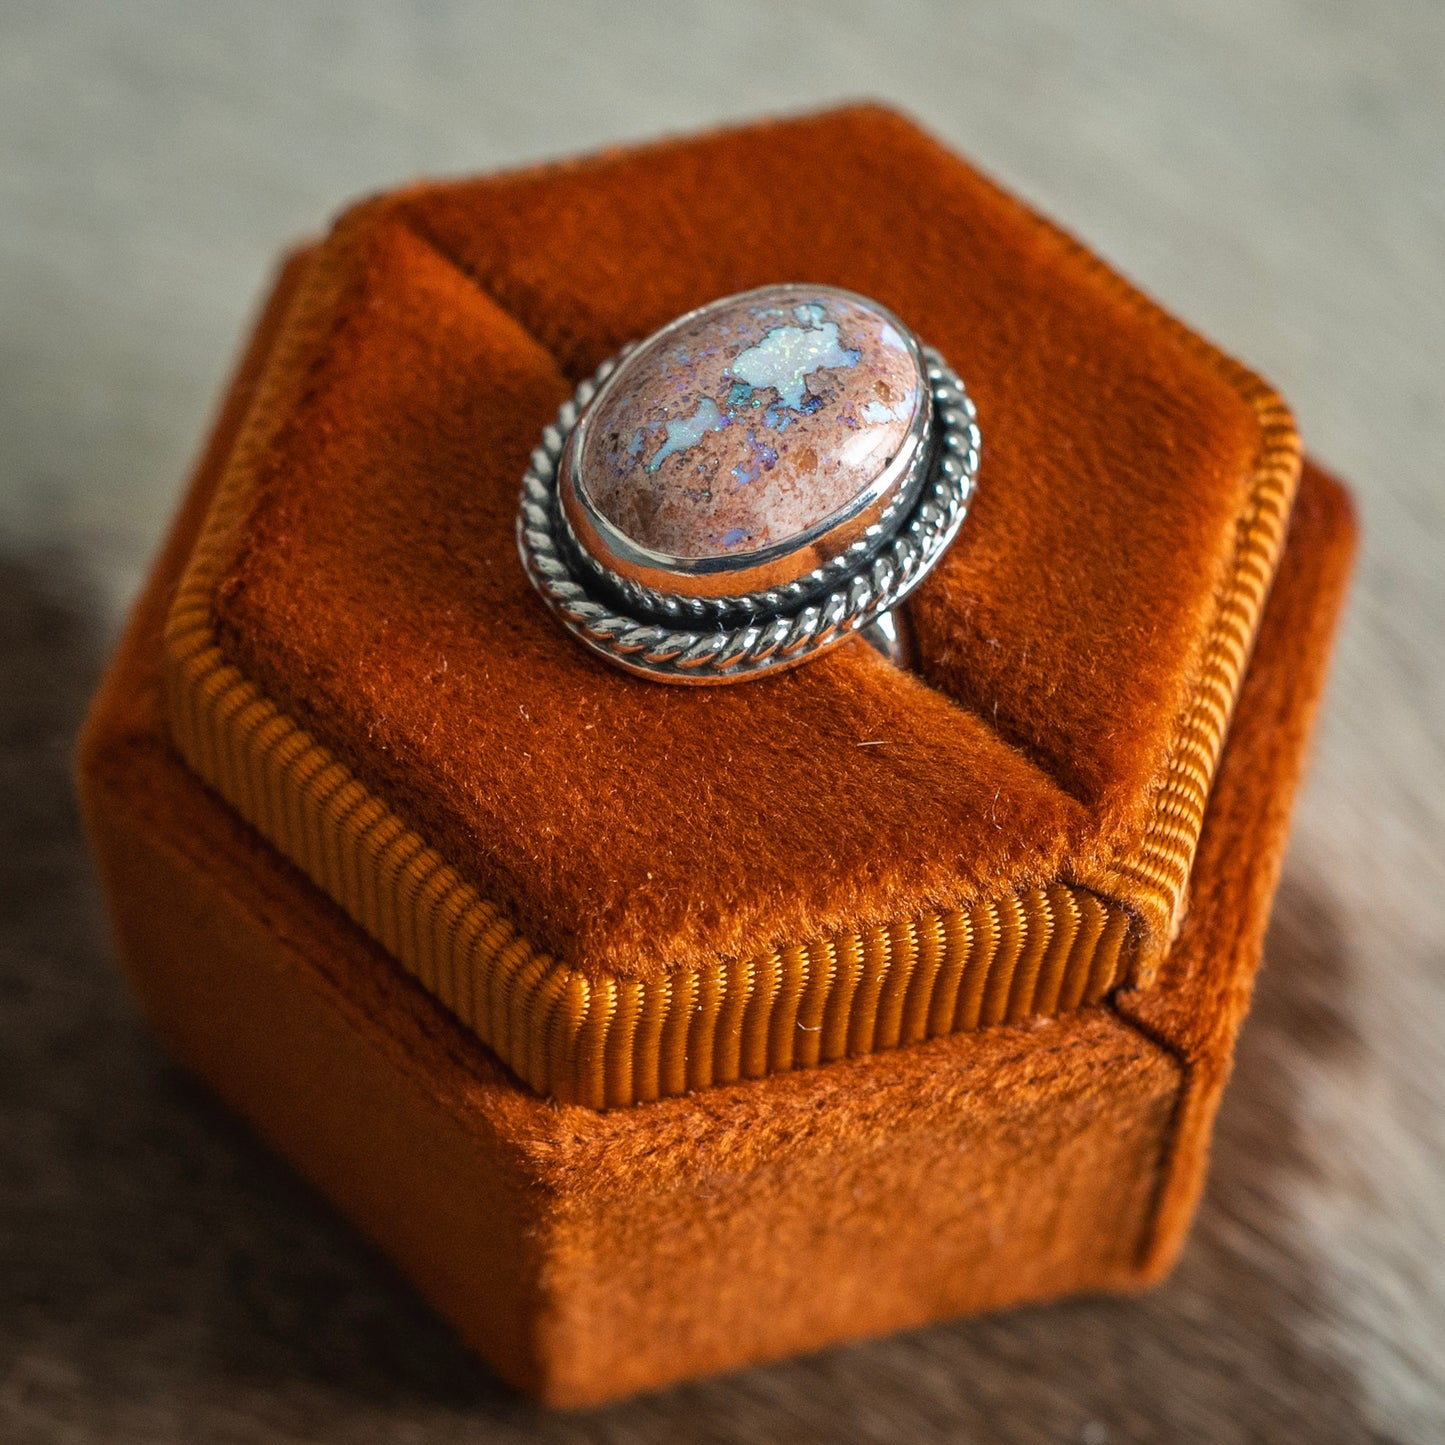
629	890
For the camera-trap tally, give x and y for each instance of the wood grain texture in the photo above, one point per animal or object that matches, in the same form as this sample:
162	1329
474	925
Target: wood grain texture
1273	172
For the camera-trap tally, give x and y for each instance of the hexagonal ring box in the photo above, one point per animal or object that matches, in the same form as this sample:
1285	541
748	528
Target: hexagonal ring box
655	1030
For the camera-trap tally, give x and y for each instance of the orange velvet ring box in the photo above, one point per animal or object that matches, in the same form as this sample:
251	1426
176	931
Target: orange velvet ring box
655	1030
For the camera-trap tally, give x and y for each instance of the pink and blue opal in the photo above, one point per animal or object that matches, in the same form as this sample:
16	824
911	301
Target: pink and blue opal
750	422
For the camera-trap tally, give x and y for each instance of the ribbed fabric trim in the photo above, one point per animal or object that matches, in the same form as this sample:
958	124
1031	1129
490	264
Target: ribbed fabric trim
610	1041
1153	877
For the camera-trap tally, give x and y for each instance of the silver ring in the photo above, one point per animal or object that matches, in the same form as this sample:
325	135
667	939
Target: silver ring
749	486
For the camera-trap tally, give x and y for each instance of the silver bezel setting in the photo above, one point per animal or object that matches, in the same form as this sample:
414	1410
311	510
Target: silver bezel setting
681	638
720	580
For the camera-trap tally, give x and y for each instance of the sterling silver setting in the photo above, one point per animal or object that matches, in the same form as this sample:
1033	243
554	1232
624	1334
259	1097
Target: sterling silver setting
706	628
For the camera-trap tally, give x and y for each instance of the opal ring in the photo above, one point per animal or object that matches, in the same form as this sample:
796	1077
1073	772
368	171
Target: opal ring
756	482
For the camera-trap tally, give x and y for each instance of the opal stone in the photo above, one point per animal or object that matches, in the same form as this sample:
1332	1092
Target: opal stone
750	422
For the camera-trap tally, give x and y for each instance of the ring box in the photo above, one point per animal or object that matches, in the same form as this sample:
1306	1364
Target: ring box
653	1031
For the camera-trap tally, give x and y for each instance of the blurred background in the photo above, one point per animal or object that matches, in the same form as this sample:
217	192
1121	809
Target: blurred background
1274	172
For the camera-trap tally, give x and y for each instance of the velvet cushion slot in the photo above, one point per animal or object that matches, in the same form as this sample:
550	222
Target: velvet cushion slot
583	867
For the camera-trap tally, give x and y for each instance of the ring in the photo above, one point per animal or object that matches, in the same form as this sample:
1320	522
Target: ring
756	482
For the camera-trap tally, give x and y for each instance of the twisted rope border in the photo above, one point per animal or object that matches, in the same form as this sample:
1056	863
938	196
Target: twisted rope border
781	627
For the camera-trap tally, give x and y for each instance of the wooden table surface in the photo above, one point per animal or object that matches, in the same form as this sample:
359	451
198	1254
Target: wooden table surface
1274	172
